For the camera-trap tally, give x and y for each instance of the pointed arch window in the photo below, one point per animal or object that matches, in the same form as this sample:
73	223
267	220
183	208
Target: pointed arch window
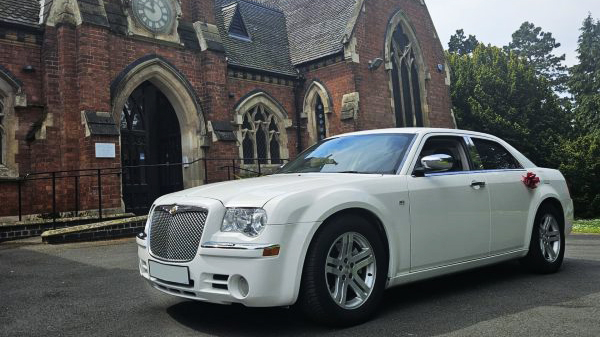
317	107
320	119
1	131
405	80
1	145
261	137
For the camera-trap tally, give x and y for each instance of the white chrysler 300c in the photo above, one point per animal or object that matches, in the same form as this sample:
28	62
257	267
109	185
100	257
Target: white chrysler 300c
353	215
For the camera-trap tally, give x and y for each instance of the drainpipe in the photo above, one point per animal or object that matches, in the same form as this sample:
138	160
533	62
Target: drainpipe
298	87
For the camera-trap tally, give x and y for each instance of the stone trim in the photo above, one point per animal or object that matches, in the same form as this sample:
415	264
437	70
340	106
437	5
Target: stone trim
351	26
253	99
258	76
350	106
321	63
10	91
316	88
401	18
64	12
180	93
99	231
208	37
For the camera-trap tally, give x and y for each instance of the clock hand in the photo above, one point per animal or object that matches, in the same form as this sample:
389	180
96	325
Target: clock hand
150	6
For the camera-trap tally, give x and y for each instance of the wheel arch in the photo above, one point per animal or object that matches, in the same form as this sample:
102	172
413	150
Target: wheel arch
367	215
546	200
554	202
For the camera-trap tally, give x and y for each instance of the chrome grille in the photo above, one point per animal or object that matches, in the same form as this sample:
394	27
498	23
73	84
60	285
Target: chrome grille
175	232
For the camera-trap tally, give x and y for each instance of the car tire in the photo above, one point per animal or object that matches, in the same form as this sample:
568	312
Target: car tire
547	245
360	268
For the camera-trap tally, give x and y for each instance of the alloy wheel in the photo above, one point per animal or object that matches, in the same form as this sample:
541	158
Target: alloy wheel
550	238
350	270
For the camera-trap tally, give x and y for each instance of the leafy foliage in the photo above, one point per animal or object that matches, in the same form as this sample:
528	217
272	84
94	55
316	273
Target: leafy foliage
511	93
581	168
538	47
584	83
499	93
462	45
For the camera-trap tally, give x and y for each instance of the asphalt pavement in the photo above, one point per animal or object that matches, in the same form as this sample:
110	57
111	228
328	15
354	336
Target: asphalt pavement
93	289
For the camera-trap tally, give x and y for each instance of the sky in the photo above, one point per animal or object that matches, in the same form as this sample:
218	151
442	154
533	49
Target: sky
494	21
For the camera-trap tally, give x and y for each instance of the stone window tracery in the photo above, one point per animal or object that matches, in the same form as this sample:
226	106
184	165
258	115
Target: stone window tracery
261	136
406	78
2	135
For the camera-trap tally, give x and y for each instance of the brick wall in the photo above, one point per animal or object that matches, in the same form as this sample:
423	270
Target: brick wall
75	67
375	95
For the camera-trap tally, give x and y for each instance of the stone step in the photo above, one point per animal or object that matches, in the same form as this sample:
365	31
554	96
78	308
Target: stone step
97	231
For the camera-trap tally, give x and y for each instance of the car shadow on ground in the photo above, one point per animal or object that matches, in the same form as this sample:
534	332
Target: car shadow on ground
430	307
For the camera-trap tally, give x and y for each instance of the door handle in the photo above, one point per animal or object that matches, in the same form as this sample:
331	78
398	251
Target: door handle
477	184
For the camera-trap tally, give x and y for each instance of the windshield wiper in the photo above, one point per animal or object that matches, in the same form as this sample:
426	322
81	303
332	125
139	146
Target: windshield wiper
350	172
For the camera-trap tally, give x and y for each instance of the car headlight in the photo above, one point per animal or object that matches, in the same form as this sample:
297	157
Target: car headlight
249	221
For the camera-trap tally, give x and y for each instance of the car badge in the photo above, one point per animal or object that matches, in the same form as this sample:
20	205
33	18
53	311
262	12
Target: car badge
173	210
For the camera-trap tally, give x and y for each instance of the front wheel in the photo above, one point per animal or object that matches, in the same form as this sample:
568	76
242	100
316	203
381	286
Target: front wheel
547	245
344	273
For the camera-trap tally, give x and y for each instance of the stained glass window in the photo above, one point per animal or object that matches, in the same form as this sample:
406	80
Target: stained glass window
405	81
320	119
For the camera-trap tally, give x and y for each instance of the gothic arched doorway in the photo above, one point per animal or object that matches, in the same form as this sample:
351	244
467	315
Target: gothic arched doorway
150	139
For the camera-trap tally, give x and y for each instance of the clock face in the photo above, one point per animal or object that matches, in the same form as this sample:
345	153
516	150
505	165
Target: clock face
155	15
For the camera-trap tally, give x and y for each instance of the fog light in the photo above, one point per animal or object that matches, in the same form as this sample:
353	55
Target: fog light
244	287
238	286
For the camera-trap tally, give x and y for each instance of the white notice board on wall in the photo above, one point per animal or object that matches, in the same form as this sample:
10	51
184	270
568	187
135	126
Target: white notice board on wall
105	150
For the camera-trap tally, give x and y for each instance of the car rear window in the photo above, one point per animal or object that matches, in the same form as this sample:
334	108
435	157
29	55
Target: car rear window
494	156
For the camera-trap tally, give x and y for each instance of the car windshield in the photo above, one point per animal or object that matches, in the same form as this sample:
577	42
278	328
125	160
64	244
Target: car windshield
374	154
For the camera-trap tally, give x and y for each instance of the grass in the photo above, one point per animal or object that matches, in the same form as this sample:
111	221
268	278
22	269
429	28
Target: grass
587	226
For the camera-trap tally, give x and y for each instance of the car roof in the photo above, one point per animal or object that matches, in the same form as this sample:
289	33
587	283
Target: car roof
420	131
414	131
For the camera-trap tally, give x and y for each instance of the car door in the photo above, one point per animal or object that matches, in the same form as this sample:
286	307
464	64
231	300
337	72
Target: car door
510	199
449	211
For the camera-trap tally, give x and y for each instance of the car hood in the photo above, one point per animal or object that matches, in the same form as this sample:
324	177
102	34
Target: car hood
256	192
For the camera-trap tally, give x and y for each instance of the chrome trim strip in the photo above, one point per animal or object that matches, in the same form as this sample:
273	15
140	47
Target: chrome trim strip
175	208
243	246
472	172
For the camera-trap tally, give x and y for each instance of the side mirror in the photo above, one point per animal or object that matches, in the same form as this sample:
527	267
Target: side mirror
437	162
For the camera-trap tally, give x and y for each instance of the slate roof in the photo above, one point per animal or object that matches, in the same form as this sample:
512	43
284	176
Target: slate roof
92	11
268	47
315	27
24	12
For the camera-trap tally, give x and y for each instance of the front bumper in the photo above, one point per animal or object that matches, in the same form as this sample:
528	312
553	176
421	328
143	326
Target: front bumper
217	270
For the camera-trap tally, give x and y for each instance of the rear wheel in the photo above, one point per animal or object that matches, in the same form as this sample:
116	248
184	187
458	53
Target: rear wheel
547	245
345	272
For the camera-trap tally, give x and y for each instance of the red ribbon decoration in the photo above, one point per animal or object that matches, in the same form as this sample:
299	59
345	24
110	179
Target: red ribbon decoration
531	180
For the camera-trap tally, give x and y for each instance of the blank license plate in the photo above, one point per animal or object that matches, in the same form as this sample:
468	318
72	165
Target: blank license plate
176	274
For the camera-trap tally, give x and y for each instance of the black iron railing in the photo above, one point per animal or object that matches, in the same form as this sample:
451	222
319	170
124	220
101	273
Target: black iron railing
235	168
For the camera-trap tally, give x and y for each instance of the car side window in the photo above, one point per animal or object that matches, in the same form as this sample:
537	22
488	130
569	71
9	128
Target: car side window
452	146
494	156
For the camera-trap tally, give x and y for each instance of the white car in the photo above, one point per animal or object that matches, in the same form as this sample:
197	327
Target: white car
356	214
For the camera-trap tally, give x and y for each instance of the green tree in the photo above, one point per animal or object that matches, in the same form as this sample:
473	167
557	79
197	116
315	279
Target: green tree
499	93
462	45
538	48
581	168
584	83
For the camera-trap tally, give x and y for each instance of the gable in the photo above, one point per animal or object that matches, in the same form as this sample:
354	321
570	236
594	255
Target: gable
234	22
316	28
265	46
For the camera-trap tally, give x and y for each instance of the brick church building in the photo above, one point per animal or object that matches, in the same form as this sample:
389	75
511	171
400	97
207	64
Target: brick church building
172	94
